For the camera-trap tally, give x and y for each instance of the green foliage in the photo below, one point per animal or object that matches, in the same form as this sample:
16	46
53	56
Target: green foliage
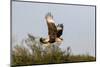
52	54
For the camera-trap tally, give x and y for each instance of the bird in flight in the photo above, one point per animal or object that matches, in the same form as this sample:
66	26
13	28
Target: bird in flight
54	31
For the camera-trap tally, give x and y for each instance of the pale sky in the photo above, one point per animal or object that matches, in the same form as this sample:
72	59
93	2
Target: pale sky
78	21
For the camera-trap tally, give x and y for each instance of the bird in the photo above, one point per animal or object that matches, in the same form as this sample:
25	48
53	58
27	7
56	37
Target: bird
54	31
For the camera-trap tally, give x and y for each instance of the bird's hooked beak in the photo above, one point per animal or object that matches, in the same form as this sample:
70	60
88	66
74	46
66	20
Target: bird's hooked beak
44	40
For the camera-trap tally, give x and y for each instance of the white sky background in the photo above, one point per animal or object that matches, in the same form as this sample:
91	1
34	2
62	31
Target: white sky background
79	23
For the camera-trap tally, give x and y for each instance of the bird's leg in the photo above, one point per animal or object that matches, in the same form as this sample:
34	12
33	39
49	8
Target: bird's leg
58	39
61	38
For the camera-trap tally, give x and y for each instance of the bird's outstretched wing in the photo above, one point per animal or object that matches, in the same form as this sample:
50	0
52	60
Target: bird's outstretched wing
52	29
59	30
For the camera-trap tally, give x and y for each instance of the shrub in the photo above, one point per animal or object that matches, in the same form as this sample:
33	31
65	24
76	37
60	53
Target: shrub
39	55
